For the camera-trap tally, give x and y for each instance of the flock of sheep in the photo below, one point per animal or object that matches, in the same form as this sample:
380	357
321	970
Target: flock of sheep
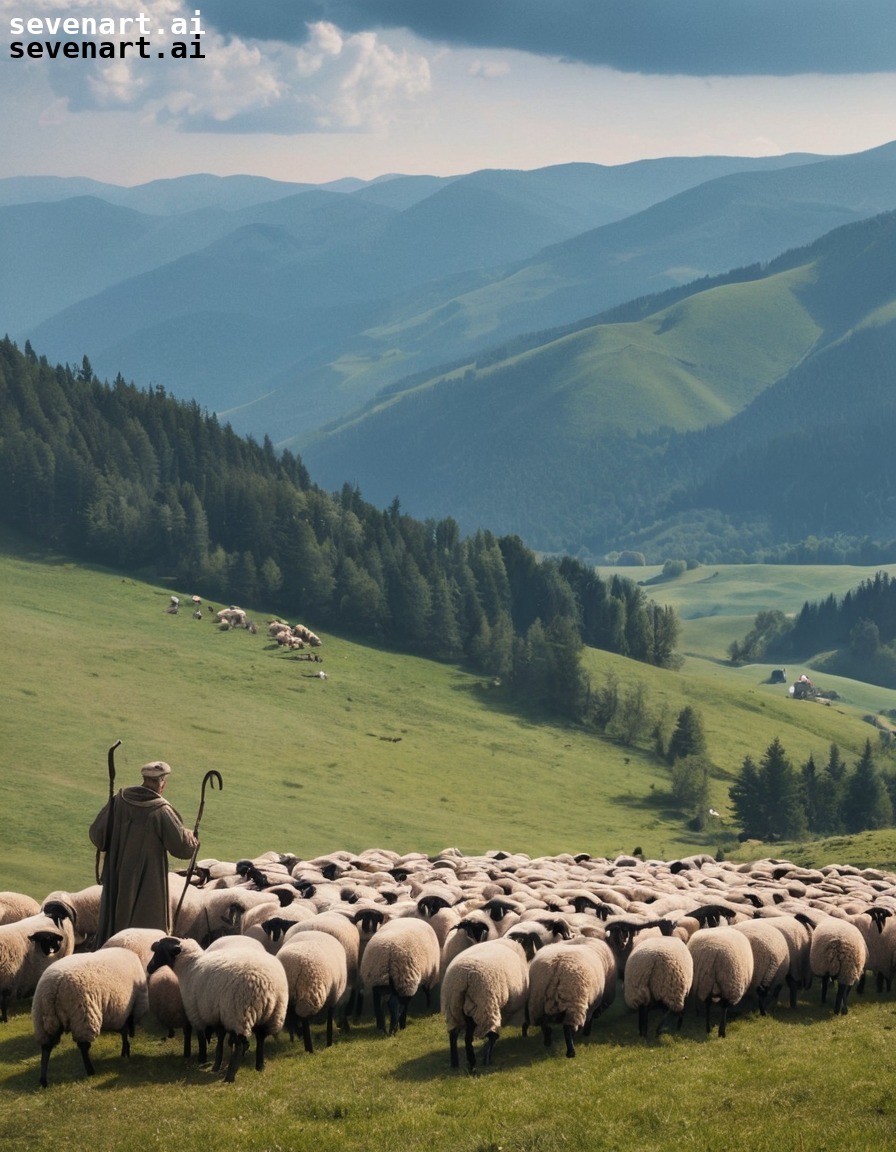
288	636
280	942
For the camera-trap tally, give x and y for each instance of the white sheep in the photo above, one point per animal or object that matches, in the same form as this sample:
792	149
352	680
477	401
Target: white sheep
235	988
400	958
484	988
27	948
837	952
723	969
82	907
771	959
346	932
270	925
659	973
16	906
797	933
317	976
570	983
87	993
474	928
166	1005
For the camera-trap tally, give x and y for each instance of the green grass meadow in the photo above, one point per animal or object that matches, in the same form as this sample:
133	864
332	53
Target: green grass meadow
411	755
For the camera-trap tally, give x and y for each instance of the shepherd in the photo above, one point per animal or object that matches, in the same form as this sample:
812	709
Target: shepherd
136	829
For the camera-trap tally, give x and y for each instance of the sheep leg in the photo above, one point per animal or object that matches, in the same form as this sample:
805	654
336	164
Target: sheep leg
293	1024
793	985
359	1003
468	1042
84	1049
668	1015
239	1044
840	1002
45	1050
329	1027
568	1031
708	1021
398	1012
4	1000
860	987
452	1047
642	1021
219	1051
762	998
378	1009
202	1045
188	1041
824	988
306	1035
259	1049
488	1048
546	1035
125	1042
723	1022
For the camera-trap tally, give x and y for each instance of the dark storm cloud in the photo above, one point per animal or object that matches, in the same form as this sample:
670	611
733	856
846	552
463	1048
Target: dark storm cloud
691	37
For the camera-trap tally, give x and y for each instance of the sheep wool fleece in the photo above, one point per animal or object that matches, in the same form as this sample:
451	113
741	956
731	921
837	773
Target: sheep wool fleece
145	828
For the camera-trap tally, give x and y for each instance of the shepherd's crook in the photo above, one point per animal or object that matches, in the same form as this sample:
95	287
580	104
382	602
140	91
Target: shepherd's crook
209	778
108	837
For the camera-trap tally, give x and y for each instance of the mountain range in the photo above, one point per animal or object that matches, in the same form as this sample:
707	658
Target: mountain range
576	354
765	395
274	303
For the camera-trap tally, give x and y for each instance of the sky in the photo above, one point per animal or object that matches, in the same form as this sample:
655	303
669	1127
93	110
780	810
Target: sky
316	90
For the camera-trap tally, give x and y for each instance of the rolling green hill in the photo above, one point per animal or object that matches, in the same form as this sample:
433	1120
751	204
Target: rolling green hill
588	454
412	274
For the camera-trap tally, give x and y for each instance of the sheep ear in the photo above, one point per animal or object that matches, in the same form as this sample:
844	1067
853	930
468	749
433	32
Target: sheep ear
48	942
57	912
233	915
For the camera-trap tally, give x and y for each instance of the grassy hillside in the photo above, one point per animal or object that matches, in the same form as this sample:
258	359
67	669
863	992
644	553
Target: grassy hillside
401	753
388	751
694	363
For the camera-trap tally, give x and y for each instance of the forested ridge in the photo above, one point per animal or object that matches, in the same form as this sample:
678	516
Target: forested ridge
134	479
857	629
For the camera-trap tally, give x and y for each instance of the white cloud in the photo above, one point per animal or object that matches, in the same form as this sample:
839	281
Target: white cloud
489	69
334	82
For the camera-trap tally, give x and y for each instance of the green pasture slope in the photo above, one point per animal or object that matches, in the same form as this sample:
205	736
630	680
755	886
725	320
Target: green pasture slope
411	755
388	751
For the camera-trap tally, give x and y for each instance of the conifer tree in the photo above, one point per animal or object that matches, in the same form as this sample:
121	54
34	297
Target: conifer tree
866	802
783	811
746	799
688	738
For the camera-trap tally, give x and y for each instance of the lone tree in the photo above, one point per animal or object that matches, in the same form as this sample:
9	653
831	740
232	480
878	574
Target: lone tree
688	739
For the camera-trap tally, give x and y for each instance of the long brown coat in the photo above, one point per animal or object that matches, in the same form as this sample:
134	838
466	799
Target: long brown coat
145	828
